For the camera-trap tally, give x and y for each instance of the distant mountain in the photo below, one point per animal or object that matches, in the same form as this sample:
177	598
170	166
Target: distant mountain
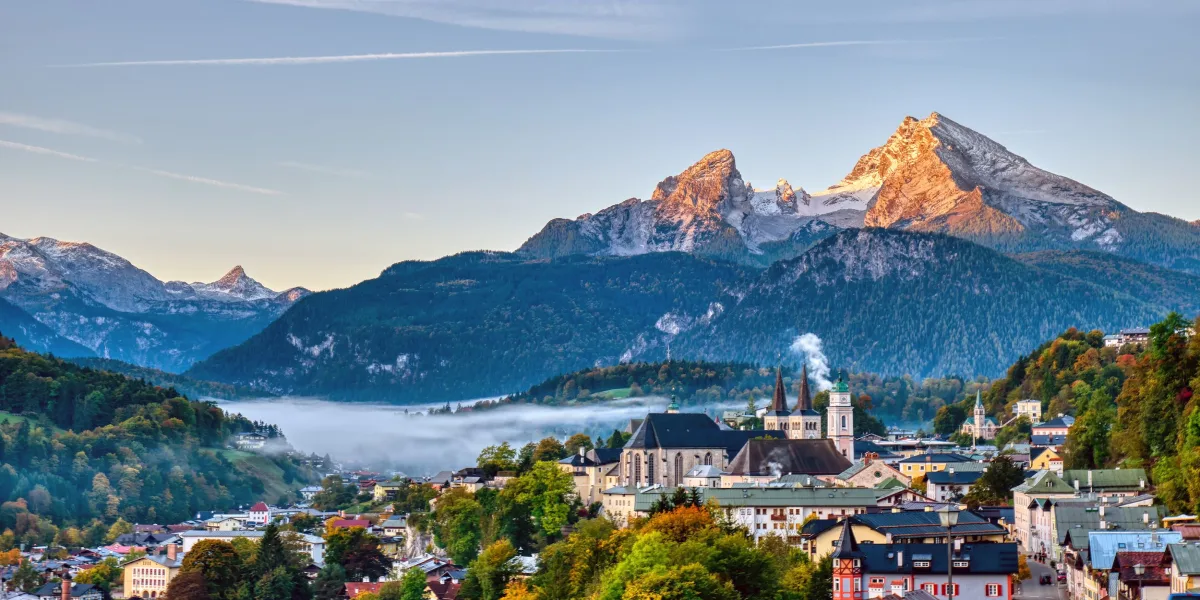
1173	290
893	303
482	324
932	175
476	324
107	307
29	333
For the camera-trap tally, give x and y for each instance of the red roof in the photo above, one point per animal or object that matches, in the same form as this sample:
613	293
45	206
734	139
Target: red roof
354	589
348	523
260	507
443	591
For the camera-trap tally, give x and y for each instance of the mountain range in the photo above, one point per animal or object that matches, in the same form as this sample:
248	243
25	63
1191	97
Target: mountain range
74	299
932	175
940	253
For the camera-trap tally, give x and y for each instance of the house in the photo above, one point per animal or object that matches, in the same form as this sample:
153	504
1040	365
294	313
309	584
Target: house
309	491
147	540
1143	575
259	514
667	445
782	511
387	490
78	591
1119	482
869	471
443	587
863	447
621	504
441	480
980	426
1045	459
877	570
430	565
590	469
951	484
1058	426
1185	567
394	526
1138	336
1036	537
762	461
312	545
223	524
1048	441
921	464
891	493
1102	572
902	527
703	476
1076	519
250	441
1030	409
349	523
355	589
148	576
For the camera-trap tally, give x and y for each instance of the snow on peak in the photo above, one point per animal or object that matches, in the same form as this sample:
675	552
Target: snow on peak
236	285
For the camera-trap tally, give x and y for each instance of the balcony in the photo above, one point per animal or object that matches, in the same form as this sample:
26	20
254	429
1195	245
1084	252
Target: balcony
777	517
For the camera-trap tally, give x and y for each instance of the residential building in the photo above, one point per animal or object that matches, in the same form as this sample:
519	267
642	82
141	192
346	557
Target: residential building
148	576
309	491
78	591
250	441
394	526
980	426
621	504
782	511
703	476
1108	482
877	570
387	490
902	527
863	447
1075	519
1030	409
312	545
590	469
799	423
1047	441
259	514
1037	537
1045	459
1185	567
950	485
224	524
1058	426
1142	575
869	471
666	446
891	493
1100	573
923	464
763	461
1139	336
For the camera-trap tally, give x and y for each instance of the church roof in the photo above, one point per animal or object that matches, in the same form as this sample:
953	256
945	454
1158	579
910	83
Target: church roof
690	430
783	456
804	397
779	400
978	399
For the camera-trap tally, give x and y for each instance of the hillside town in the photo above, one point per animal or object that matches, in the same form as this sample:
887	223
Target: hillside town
898	516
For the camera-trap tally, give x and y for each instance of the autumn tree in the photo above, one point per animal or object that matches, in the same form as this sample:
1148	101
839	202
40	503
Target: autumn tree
188	586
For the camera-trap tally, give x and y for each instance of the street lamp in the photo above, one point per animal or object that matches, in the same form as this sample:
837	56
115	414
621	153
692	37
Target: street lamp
949	518
1139	570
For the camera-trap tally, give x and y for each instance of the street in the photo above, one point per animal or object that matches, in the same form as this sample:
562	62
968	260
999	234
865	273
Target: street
1032	590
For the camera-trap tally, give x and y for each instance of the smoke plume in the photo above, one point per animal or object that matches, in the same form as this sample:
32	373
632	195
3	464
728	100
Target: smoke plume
809	348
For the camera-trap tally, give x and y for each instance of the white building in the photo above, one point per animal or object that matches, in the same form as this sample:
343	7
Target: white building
840	423
312	545
1030	409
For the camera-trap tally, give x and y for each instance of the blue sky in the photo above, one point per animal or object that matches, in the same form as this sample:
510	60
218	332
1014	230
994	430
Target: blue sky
321	172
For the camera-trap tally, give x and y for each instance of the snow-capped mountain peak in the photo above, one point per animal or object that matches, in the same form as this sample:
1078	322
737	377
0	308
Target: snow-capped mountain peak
236	285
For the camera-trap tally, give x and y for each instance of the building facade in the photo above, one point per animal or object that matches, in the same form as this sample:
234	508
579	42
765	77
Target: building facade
149	576
840	422
666	446
979	425
1030	409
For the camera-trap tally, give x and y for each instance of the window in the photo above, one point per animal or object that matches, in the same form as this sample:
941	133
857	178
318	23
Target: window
837	585
857	563
921	563
857	583
876	581
843	421
650	469
678	468
708	458
949	589
961	563
929	588
993	590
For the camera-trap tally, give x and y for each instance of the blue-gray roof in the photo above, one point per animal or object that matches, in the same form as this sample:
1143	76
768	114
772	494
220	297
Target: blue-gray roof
1103	546
984	558
955	478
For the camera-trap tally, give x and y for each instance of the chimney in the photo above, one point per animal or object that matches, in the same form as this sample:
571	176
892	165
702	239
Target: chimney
1142	484
65	587
1103	525
172	549
1089	479
582	451
1145	518
900	559
951	470
1076	486
1101	512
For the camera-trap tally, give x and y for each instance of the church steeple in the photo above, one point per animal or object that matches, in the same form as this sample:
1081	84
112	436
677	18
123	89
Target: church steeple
804	397
779	402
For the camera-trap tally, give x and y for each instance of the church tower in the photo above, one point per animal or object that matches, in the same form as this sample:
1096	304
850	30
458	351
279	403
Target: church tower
980	418
839	425
777	417
805	423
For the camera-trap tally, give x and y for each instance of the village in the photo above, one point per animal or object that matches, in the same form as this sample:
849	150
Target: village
900	515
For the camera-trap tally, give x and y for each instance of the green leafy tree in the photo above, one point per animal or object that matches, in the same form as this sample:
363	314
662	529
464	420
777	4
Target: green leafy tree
358	552
274	585
330	583
995	486
26	578
686	582
456	525
188	586
490	573
218	562
411	586
548	493
577	441
103	575
549	449
494	459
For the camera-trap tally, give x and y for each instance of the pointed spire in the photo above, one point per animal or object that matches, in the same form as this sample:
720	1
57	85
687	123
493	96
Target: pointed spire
978	400
847	547
779	402
803	397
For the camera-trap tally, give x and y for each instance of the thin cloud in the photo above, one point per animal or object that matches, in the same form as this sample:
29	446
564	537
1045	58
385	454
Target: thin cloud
64	127
336	171
342	58
837	43
168	174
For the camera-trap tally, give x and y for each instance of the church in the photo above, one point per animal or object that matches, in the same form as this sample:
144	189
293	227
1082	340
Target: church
979	425
804	423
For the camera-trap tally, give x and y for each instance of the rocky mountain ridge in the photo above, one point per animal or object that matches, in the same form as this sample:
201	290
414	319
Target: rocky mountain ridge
105	306
932	175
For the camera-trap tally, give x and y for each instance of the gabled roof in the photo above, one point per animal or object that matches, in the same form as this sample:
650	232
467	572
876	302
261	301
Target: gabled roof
1062	422
1036	453
937	457
955	478
784	456
921	524
1044	482
1079	519
78	590
1048	440
260	507
1186	557
1103	546
862	447
704	471
690	430
790	496
1107	479
982	559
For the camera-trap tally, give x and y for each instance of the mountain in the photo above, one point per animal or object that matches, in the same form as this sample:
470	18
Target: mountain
476	324
1172	290
481	324
192	388
894	302
105	306
932	175
18	325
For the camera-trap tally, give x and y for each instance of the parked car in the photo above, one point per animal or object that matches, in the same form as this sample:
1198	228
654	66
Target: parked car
1062	577
1045	580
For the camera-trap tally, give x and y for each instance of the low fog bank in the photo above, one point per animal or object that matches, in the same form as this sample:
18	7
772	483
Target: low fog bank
385	436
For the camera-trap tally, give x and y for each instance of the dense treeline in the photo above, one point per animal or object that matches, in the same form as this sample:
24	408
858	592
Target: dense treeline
83	447
193	388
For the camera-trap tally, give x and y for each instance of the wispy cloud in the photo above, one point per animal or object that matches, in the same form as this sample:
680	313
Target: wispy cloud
168	174
324	170
837	43
341	58
616	19
64	127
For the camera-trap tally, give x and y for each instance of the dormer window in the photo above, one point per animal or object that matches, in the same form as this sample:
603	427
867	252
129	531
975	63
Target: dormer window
924	564
961	563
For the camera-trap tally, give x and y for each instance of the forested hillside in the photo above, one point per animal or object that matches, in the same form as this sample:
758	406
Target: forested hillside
83	448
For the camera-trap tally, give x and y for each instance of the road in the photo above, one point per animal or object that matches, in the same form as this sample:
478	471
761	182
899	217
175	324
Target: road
1032	590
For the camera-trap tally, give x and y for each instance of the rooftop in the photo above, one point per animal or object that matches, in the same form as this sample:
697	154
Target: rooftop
782	457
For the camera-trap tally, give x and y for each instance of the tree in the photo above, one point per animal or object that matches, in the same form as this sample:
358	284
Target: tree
1017	431
358	552
103	575
274	585
618	439
687	582
490	573
996	484
949	418
218	562
577	441
118	529
518	590
411	586
188	586
456	525
525	457
549	449
494	459
330	583
546	492
26	578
